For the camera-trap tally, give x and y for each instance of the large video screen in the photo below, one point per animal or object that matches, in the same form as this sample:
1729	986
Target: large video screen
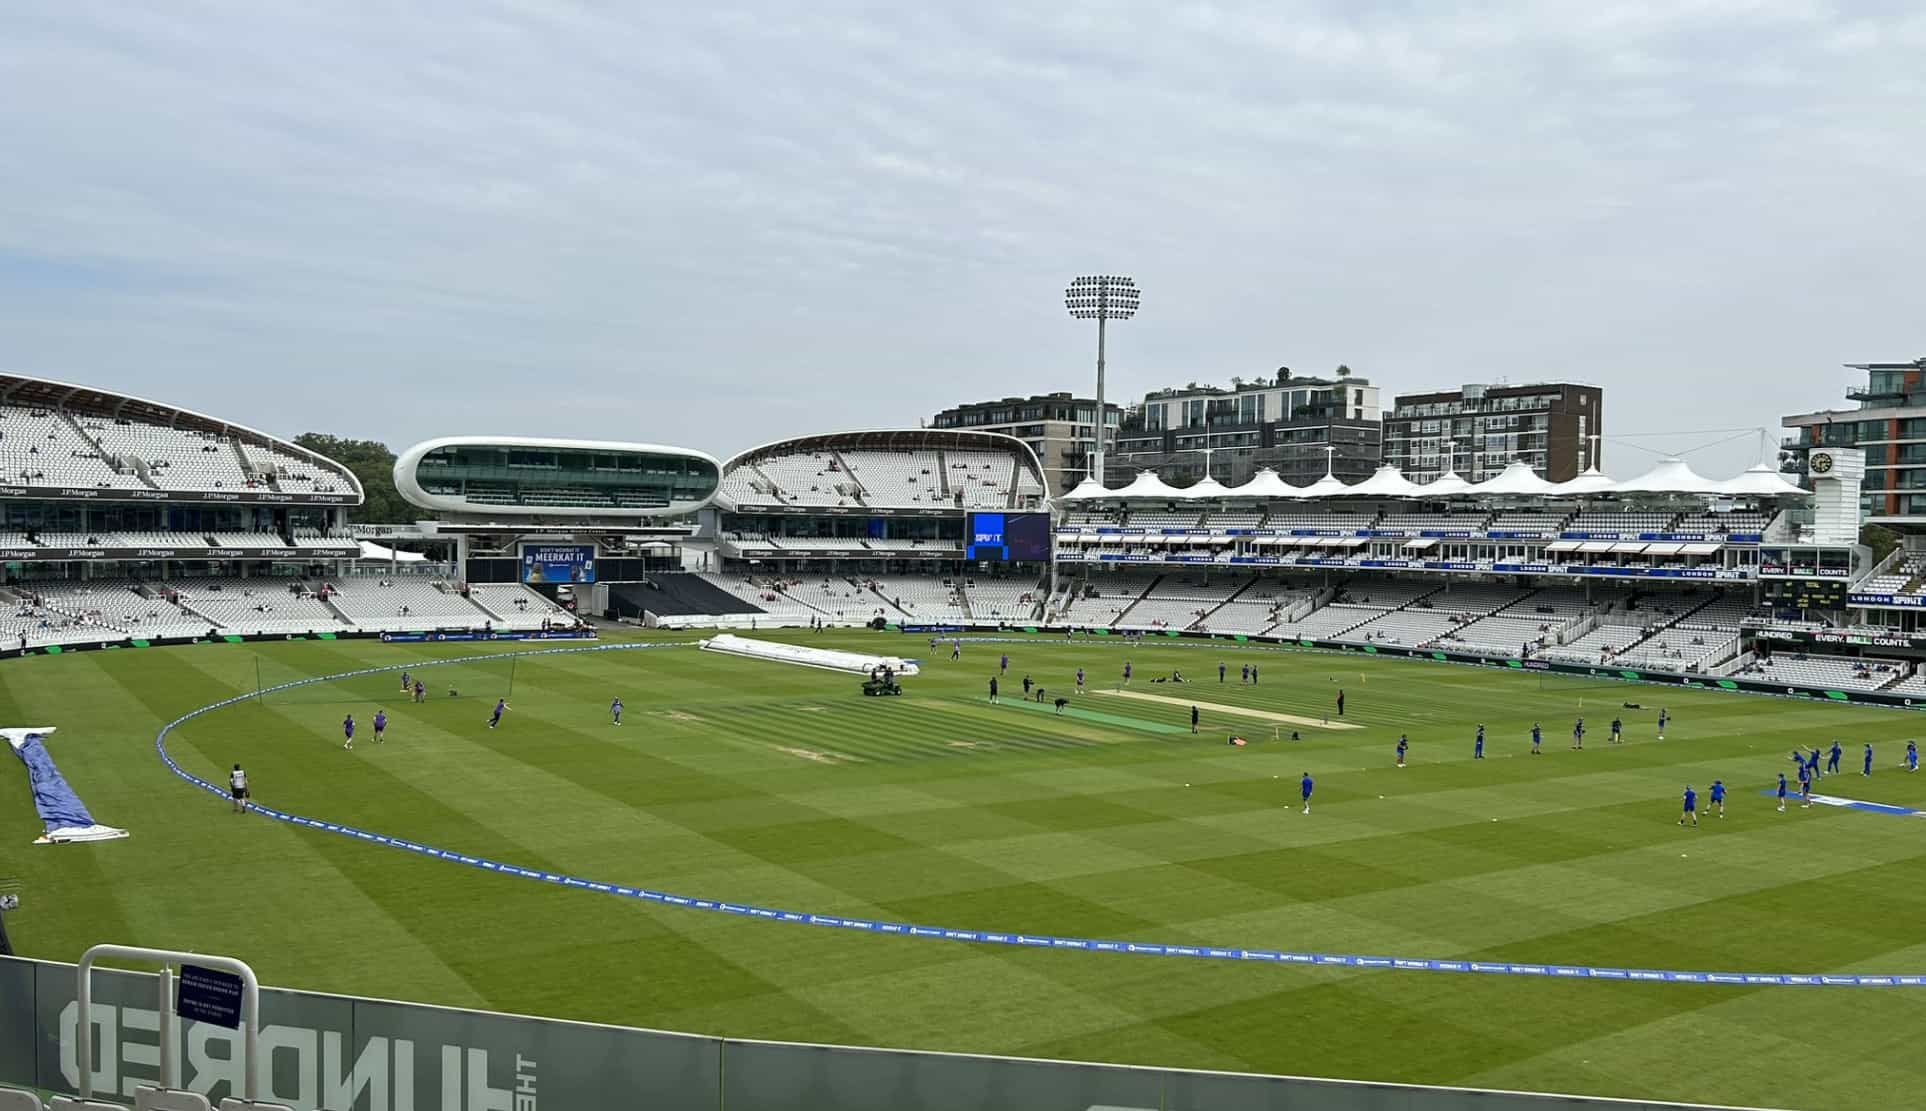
558	563
1009	537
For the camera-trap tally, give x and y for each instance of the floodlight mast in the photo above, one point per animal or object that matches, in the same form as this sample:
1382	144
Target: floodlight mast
1102	298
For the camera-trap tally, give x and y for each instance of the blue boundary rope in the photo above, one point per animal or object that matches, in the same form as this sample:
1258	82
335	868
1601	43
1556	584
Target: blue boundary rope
982	937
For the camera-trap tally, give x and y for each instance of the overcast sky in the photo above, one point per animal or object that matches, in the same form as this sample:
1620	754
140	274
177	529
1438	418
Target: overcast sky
718	224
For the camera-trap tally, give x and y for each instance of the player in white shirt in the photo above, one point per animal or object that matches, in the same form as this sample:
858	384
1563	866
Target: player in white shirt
237	787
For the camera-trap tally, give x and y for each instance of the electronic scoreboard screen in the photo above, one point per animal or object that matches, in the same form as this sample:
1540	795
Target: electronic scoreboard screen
1806	594
1009	537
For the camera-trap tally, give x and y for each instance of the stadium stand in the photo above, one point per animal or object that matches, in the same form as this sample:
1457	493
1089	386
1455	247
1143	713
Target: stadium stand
39	447
402	603
1002	599
252	605
514	606
919	599
769	594
1623	522
1830	672
1179	602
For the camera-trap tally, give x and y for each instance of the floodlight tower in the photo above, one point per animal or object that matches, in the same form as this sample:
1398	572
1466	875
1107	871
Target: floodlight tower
1103	298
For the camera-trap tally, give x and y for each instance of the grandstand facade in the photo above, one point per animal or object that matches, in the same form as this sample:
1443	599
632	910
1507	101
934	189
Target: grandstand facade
912	526
129	521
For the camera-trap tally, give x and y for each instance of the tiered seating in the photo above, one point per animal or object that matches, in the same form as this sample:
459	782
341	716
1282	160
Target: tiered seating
1505	636
1547	522
1326	622
1473	598
1598	646
812	479
246	540
897	477
315	538
111	607
1913	685
403	603
1234	518
1258	608
39	448
1407	627
1907	572
1178	602
919	598
1384	594
291	472
1829	672
1085	518
516	606
1678	649
982	478
1738	520
840	599
1107	596
1163	518
252	605
1320	519
1409	521
768	593
1629	522
1725	614
1003	599
1557	603
176	459
23	618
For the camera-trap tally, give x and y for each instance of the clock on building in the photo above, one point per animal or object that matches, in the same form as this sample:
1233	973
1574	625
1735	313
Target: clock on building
1820	463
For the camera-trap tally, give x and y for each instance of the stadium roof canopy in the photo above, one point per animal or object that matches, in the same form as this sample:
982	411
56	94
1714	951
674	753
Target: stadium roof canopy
1205	489
1592	481
1268	485
903	440
1516	481
1386	482
1762	481
1445	485
1671	476
16	389
1148	486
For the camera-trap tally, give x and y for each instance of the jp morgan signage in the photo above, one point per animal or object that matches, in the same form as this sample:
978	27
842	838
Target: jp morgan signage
239	497
88	554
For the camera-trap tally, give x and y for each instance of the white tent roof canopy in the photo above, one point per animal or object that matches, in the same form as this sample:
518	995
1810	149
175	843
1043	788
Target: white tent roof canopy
1205	489
1761	481
1444	486
1148	486
1386	482
1087	490
1672	475
1593	481
1516	480
1268	485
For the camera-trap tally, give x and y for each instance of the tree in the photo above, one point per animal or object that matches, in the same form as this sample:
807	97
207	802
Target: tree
374	465
1881	540
1343	371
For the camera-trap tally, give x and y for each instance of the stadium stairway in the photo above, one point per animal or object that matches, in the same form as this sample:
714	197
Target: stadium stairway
861	492
674	594
1117	622
1204	621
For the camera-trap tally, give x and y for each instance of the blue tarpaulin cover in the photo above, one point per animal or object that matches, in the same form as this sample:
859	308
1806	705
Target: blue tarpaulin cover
53	798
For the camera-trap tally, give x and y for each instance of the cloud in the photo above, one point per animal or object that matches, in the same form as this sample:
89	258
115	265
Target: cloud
721	224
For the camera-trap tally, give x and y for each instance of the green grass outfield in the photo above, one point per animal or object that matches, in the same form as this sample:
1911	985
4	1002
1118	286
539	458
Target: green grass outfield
781	786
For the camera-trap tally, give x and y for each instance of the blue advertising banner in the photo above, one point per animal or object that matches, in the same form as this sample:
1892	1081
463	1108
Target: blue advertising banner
558	563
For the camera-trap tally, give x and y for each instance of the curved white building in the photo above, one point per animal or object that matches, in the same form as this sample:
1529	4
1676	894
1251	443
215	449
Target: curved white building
512	477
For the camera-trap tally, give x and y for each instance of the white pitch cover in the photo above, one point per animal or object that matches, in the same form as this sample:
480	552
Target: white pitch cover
856	663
